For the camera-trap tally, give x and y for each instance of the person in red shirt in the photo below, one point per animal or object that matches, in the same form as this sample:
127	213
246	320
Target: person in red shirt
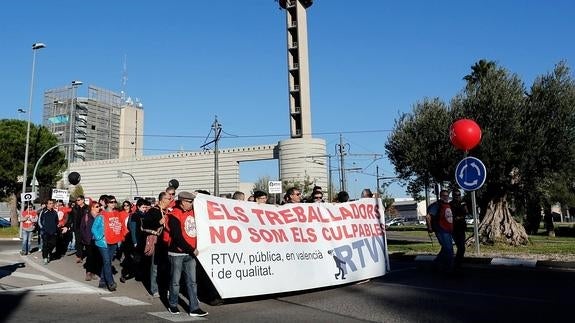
65	235
28	221
114	232
182	252
171	191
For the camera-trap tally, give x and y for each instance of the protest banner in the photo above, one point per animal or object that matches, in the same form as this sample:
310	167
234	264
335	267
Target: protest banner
255	249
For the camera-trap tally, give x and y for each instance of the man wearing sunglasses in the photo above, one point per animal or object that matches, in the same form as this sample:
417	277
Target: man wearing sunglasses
293	195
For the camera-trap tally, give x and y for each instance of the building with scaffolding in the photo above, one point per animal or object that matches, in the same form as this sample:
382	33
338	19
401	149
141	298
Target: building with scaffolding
102	125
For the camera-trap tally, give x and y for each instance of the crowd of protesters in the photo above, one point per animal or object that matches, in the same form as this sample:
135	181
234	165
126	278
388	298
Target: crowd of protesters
153	242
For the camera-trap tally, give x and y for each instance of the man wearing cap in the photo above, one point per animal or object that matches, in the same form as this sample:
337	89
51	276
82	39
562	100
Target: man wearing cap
182	252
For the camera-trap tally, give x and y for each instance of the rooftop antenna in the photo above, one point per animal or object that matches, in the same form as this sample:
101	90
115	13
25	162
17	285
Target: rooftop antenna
124	77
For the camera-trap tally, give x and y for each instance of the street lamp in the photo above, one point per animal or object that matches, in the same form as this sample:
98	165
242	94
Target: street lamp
19	112
71	122
35	47
120	173
40	159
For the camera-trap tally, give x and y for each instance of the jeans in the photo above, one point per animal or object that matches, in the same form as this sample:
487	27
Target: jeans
26	237
186	265
445	255
107	255
153	275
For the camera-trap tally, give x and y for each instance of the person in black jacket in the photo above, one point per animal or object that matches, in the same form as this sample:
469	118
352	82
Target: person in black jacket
50	230
79	210
459	210
153	224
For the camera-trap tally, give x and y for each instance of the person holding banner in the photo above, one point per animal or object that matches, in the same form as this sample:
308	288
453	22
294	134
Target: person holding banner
260	197
182	242
293	195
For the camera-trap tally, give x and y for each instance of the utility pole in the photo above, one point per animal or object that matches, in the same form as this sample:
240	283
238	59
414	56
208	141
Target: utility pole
341	149
217	127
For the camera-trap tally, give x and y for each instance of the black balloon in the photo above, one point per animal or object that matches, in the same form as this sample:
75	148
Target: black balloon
174	183
74	178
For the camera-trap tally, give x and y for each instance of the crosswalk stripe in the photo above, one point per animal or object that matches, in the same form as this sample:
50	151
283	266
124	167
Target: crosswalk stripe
58	288
125	301
26	276
182	317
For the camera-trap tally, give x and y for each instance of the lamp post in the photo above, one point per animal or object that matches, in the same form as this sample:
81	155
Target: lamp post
71	122
40	159
120	173
35	47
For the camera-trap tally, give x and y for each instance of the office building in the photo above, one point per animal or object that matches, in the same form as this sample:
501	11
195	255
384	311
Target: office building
102	125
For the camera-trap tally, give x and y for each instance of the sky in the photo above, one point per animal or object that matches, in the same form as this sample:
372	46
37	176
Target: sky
190	61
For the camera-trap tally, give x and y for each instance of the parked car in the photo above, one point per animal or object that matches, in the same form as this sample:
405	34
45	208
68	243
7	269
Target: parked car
4	223
395	222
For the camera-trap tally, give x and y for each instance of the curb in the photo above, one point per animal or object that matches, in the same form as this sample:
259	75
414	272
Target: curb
495	261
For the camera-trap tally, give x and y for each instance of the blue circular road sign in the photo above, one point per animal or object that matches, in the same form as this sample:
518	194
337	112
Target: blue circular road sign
470	173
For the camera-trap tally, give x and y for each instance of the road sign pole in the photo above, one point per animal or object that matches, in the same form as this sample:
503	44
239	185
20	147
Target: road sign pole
475	222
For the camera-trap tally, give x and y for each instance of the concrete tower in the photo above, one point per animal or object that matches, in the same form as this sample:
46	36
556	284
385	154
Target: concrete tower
301	158
298	67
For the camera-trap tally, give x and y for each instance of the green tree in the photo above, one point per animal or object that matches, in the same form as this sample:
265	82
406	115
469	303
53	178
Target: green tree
261	184
305	187
77	191
547	168
419	148
495	99
13	134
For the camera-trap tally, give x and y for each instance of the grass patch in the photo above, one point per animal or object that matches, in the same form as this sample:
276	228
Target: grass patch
539	245
9	232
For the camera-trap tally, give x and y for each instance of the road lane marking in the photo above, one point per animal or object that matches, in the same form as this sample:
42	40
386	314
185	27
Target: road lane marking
4	273
62	277
58	288
182	317
125	301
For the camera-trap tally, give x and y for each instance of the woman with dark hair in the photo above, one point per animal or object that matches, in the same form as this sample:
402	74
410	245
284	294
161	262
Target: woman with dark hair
93	265
108	230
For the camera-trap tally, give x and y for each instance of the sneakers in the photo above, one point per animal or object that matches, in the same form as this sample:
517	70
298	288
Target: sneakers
46	261
198	313
112	287
156	295
88	276
23	253
174	310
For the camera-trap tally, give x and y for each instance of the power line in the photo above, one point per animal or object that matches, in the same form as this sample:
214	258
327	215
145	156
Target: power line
259	135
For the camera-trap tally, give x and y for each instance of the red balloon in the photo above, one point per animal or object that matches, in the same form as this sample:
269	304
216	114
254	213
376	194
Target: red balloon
465	134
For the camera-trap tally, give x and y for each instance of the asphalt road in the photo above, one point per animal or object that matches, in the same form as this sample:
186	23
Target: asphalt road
30	291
